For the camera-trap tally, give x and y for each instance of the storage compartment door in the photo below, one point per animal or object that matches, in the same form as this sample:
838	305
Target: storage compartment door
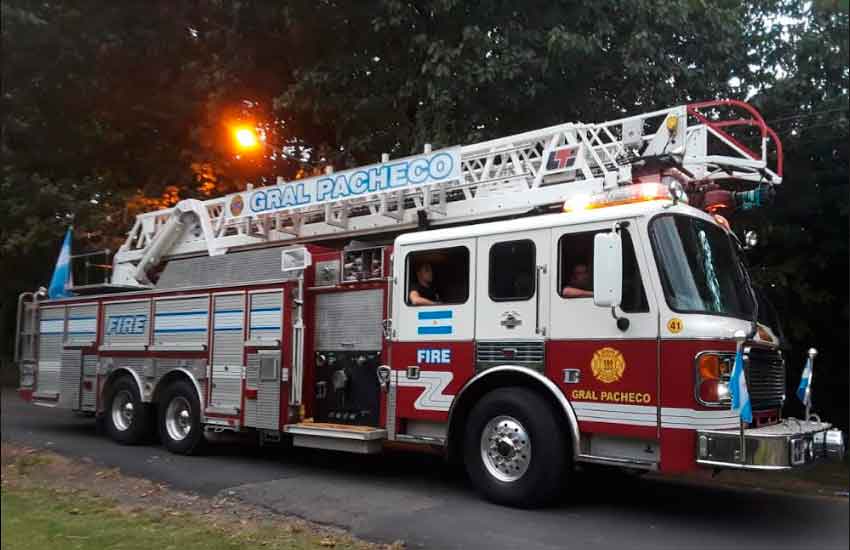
70	377
51	334
227	343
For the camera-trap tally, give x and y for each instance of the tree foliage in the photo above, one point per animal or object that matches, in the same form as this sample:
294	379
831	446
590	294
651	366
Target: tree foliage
114	108
803	265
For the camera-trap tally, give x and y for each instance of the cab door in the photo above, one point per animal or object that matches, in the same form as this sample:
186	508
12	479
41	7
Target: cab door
512	289
432	349
607	369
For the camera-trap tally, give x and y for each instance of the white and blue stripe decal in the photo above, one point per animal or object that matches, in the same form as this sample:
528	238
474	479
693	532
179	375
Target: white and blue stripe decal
181	321
82	325
265	318
51	326
434	322
228	319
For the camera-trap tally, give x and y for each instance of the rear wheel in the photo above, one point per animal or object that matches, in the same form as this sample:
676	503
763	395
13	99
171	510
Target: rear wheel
514	448
180	427
127	418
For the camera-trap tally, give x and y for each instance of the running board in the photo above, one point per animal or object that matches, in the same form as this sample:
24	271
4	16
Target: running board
337	437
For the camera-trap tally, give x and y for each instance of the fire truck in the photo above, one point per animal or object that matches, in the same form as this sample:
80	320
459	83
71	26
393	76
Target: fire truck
524	305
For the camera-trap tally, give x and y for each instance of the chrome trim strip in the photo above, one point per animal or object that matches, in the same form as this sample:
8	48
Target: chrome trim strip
739	466
628	462
127	301
429	440
178	346
562	399
166	293
123	347
180	297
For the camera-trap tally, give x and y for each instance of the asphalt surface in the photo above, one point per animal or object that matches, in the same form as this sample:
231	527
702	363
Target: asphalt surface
417	499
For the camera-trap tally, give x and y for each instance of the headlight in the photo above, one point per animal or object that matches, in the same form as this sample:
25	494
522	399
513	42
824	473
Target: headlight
712	378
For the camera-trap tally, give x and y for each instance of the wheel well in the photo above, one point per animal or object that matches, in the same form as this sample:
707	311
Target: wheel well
513	378
171	377
117	374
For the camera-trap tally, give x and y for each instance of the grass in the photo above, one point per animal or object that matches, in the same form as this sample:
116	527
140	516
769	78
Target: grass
28	463
43	518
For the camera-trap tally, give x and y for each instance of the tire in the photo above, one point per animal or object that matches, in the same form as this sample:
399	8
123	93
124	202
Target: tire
179	419
515	450
126	418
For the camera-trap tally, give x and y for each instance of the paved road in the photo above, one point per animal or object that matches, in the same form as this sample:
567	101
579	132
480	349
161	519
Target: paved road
416	499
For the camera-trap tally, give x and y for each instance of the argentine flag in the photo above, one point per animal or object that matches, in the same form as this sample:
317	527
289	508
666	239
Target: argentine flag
803	390
738	389
61	280
434	322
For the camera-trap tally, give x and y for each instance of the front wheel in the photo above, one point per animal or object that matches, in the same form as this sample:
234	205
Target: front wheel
514	448
180	419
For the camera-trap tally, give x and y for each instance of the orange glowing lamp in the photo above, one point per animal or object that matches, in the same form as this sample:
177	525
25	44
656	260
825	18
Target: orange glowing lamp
246	138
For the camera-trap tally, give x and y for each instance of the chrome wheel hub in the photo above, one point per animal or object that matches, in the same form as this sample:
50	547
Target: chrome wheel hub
178	418
122	410
505	448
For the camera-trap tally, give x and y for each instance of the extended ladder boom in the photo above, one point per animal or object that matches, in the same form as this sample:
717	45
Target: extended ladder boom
501	177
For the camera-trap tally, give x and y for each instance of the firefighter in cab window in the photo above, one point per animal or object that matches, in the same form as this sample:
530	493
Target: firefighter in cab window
579	283
422	291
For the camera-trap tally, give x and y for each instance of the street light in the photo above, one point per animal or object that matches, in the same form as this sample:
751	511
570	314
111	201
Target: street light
246	138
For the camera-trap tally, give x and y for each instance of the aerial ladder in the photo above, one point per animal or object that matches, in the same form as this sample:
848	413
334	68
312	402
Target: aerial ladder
510	176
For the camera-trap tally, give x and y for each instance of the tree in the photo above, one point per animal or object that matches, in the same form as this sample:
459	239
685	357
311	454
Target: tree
803	265
400	74
106	108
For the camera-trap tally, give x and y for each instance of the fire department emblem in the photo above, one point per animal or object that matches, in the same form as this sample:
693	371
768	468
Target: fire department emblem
237	205
608	365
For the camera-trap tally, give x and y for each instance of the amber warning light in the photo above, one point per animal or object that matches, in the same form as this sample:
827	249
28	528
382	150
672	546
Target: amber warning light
641	192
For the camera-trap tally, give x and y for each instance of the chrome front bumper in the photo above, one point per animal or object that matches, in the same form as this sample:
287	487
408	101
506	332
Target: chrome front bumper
782	446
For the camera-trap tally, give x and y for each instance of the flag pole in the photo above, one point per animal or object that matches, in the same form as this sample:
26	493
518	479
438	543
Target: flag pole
740	337
812	354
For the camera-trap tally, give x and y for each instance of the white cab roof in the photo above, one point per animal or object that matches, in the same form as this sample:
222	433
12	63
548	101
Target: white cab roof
545	221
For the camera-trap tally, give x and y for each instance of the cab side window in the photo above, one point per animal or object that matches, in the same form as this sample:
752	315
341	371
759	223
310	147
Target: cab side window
575	270
512	270
438	276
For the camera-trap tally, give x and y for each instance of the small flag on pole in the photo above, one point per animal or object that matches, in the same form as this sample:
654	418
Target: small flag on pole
738	389
804	391
61	280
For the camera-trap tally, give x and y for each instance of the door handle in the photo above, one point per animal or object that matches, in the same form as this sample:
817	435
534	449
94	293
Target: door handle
541	270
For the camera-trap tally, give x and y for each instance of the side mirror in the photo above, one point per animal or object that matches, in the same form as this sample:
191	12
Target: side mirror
607	269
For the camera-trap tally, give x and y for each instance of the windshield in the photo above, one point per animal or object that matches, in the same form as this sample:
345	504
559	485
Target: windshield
700	270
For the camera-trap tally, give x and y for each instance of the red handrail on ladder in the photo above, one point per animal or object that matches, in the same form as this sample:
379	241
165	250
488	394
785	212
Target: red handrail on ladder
756	120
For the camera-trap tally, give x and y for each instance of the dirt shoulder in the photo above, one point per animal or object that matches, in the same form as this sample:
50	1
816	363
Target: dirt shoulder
77	487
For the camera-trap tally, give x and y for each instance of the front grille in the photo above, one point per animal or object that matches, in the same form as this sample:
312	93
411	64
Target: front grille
510	352
765	377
